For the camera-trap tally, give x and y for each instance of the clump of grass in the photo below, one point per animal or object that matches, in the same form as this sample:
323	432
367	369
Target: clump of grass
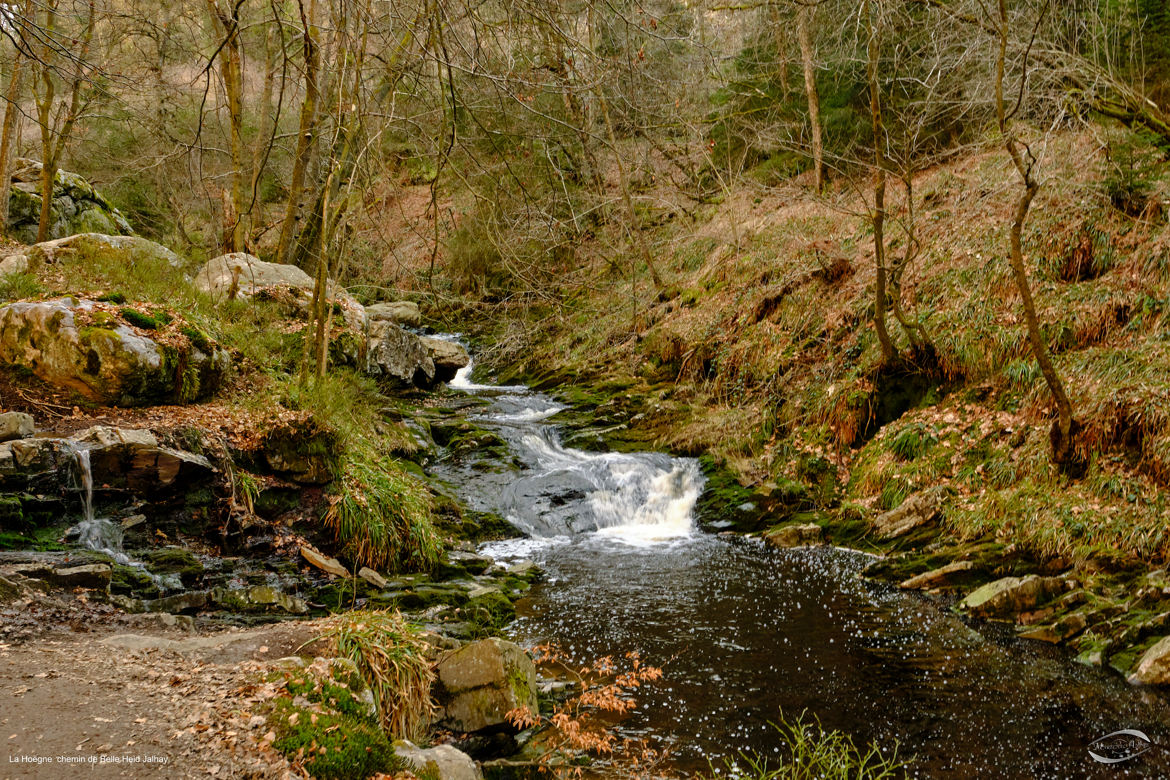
114	297
911	442
14	287
140	319
391	656
818	753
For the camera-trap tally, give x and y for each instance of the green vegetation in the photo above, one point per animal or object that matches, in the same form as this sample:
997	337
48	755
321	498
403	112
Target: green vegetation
818	754
391	657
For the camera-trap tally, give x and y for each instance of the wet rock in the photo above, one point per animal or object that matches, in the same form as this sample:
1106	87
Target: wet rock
949	576
260	598
915	512
1010	596
1061	631
324	562
523	569
372	577
133	459
302	451
441	763
481	682
398	357
800	535
457	563
191	601
108	362
94	575
76	208
240	275
1154	666
448	357
165	620
510	769
16	425
398	312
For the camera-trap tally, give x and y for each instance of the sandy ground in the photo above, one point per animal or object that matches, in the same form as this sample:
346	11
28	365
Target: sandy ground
140	701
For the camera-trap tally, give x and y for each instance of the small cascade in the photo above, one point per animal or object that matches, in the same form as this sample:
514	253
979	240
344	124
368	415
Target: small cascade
101	534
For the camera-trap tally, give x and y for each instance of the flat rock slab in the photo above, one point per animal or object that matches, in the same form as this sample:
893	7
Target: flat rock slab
800	535
1008	597
943	577
1154	666
442	762
324	562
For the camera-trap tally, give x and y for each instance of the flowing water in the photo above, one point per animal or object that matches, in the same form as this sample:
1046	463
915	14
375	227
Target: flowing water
103	535
744	632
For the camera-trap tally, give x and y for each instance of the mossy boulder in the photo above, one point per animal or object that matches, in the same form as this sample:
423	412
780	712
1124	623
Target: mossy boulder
1010	596
303	451
76	208
482	681
114	363
99	249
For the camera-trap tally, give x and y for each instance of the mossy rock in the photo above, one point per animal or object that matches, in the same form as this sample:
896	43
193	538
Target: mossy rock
132	581
174	560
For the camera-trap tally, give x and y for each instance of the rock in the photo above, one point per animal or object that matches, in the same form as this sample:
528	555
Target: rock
302	451
481	682
915	512
94	575
802	535
87	249
1011	595
77	207
79	345
372	577
440	763
9	591
475	591
1154	666
1062	630
398	312
523	569
165	620
13	264
324	562
399	357
943	577
448	357
260	598
191	601
16	425
244	276
132	458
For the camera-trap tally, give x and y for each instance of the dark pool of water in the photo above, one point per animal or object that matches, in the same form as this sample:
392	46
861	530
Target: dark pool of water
744	632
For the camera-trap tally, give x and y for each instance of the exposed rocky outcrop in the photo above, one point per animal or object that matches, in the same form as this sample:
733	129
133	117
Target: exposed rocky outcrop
915	512
398	357
448	357
1010	596
88	249
77	207
482	681
1154	666
82	346
398	312
240	275
947	576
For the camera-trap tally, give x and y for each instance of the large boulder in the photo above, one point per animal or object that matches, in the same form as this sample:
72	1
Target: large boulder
16	425
448	357
398	312
482	681
77	207
241	275
397	356
1154	666
798	535
84	346
89	249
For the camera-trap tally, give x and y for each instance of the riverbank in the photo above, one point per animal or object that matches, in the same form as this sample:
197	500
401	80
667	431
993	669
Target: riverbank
758	353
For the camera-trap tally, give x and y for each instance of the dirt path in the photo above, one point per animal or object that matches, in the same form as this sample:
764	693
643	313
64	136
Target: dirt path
141	702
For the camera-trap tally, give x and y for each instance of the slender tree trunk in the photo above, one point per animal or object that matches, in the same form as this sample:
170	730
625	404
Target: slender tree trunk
232	74
1063	429
44	103
305	135
804	20
878	217
6	134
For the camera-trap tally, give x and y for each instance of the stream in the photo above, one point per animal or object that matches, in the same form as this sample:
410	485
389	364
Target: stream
745	632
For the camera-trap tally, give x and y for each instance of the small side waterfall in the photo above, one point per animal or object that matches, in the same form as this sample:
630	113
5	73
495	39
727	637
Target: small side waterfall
101	534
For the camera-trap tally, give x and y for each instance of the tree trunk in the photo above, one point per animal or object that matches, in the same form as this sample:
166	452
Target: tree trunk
1063	430
804	20
10	115
232	75
308	124
878	216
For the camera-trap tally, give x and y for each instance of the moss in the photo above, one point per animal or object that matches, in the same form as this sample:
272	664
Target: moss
199	340
337	746
132	581
174	560
487	615
113	297
145	321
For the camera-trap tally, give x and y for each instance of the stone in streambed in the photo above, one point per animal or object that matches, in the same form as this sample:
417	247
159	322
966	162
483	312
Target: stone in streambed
915	512
373	577
948	576
94	575
398	312
448	357
16	425
481	682
398	357
800	535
